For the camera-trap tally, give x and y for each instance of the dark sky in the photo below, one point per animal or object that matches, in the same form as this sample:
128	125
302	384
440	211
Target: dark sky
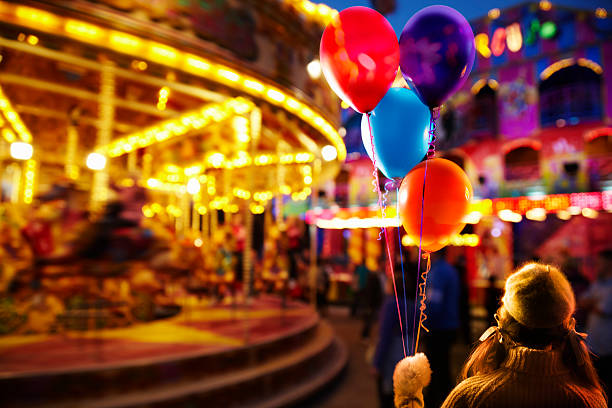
471	9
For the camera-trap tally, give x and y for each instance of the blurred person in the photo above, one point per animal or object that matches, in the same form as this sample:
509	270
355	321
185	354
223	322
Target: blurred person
389	349
464	299
324	273
493	295
533	357
443	323
372	299
239	235
294	244
597	301
569	266
132	198
360	277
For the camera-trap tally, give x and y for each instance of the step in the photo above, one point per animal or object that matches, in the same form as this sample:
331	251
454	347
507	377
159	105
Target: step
279	381
102	383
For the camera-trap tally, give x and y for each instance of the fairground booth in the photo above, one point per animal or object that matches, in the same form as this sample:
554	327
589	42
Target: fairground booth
531	128
149	152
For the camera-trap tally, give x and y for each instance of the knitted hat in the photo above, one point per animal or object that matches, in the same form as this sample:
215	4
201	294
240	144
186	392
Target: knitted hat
539	296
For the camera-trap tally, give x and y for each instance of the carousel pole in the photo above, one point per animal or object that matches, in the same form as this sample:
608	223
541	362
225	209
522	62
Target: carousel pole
71	169
185	213
205	212
147	162
195	215
280	181
131	162
313	235
255	130
105	131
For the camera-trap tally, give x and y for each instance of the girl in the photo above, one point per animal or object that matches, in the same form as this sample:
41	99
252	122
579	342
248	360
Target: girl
532	358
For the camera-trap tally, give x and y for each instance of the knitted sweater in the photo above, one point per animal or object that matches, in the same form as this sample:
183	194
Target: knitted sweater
528	378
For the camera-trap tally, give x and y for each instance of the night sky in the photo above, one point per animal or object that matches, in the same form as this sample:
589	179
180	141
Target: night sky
470	9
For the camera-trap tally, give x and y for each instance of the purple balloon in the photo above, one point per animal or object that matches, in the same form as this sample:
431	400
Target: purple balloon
437	53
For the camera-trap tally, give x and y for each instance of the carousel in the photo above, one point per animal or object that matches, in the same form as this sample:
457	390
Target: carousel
144	145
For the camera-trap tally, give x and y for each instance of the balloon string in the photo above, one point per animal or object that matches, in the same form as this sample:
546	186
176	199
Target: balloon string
423	296
430	153
377	187
399	241
418	274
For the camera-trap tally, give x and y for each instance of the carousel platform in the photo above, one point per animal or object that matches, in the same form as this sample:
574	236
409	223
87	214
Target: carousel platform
263	355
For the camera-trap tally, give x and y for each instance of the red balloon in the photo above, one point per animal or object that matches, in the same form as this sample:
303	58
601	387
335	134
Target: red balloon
447	196
359	57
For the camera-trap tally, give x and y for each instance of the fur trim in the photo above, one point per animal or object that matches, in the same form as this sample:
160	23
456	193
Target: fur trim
410	376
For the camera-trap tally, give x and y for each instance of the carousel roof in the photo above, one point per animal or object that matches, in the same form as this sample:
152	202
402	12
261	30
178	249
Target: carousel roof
144	93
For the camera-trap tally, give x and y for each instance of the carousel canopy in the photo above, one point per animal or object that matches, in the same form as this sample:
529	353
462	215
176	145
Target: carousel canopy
153	91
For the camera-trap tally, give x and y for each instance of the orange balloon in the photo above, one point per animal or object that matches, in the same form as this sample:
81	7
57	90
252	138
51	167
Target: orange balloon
447	195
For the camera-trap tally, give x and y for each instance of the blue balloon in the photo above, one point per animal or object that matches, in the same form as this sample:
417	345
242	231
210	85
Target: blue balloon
400	124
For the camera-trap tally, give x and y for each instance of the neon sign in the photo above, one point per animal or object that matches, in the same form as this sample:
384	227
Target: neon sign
511	37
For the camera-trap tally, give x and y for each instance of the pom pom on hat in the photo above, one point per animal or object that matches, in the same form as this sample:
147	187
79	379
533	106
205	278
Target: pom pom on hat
539	296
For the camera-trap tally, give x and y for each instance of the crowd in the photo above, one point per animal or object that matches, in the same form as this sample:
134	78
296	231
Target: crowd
534	334
62	269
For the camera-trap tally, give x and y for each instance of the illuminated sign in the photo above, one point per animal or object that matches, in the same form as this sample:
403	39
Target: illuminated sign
511	37
533	208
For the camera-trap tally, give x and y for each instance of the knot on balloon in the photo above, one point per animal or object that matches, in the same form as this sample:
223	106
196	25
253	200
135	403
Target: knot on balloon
393	183
431	151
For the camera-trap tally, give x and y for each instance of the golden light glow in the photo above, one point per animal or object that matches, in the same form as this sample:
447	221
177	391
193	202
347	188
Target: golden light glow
30	176
545	5
589	213
592	65
8	135
36	16
216	160
552	68
162	99
228	74
83	30
162	53
276	96
471	240
509	216
123	40
254	85
21	151
13	118
493	13
32	39
482	45
564	215
177	126
240	125
514	38
536	214
256	208
601	12
174	58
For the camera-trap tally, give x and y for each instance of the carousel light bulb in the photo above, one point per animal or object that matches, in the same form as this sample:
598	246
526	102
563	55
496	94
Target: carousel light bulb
96	161
193	186
314	69
21	150
329	153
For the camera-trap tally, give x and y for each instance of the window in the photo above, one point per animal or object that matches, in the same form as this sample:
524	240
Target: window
570	95
484	113
522	163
